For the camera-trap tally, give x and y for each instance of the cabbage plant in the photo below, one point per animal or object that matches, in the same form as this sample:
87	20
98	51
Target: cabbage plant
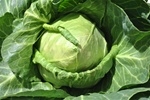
74	49
71	44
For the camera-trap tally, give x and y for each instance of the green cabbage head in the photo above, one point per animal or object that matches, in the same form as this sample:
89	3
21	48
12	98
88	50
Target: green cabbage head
70	45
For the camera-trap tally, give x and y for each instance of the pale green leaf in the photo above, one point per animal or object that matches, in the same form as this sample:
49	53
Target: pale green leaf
16	7
10	85
17	47
131	64
120	95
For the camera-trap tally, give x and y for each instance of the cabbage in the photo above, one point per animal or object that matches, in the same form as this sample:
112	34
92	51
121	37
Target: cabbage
61	52
74	49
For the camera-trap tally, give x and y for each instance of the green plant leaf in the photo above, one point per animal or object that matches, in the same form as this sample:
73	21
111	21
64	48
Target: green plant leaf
141	12
95	10
15	7
6	23
17	47
67	5
131	66
11	86
120	95
43	93
132	61
90	8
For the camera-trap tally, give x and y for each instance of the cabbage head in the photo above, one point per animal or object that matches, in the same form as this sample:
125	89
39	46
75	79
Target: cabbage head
71	44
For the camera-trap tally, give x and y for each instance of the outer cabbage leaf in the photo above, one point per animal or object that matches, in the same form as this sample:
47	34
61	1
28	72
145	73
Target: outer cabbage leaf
91	8
17	47
11	86
138	12
67	5
132	61
128	94
10	9
15	7
95	10
6	23
131	67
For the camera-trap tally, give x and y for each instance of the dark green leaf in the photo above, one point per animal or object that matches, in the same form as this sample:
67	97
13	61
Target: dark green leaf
43	93
138	11
93	9
67	5
5	27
